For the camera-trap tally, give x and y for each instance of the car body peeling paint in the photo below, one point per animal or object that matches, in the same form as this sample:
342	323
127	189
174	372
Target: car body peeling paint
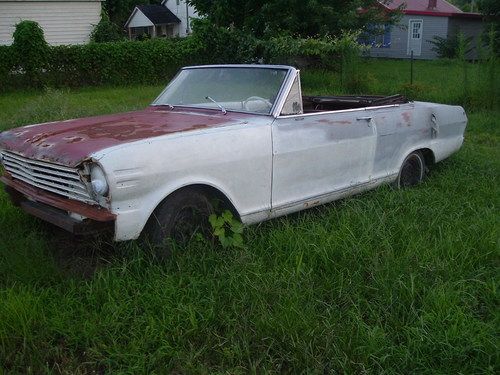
70	142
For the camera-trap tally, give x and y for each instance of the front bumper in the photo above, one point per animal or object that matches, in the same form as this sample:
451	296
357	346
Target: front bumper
57	210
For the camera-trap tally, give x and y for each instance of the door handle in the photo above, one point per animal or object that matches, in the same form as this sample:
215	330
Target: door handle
366	118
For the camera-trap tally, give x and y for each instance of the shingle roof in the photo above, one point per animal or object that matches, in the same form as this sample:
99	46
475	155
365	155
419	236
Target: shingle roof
442	6
158	14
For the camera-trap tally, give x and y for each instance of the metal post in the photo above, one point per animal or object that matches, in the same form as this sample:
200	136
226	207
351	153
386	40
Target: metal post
411	67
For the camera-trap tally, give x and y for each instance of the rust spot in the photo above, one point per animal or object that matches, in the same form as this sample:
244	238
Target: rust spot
92	212
69	142
330	122
73	139
311	204
406	117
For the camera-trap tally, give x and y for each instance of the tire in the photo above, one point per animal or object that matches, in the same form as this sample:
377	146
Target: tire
176	220
412	171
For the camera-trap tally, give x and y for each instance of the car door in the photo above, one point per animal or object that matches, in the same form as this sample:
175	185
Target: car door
317	154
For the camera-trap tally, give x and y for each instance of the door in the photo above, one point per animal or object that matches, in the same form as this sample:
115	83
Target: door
317	154
415	37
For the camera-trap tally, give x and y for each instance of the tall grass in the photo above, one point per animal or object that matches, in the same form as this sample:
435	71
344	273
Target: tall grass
388	281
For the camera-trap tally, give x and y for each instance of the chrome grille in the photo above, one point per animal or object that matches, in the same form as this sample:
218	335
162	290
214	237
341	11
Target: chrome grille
55	178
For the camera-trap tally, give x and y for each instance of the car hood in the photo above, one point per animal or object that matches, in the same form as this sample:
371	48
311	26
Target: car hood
70	142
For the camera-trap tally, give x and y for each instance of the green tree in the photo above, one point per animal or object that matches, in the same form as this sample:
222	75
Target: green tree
106	31
31	50
296	17
491	11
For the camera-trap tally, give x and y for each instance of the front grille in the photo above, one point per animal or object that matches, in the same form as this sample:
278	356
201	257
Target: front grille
55	178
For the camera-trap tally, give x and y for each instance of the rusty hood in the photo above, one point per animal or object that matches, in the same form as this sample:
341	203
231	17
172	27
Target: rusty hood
70	142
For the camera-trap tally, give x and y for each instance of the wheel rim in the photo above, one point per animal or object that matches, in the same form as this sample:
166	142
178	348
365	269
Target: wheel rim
412	171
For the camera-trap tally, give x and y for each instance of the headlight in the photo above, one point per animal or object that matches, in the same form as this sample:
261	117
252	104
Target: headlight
98	180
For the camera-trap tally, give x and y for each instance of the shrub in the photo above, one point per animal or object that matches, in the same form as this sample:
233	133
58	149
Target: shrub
31	50
106	31
8	60
449	48
225	44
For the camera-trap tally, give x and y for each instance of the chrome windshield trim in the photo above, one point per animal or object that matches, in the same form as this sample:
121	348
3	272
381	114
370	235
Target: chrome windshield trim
280	97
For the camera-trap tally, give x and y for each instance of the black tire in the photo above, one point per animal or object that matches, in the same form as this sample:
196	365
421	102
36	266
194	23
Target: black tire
412	171
176	220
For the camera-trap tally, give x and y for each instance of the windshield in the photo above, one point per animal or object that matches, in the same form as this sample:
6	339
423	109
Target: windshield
225	88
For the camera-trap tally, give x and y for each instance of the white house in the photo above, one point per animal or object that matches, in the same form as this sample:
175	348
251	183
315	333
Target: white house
62	21
171	18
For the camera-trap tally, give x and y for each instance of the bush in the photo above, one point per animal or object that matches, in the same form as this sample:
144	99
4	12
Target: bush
106	31
224	44
31	50
449	48
8	61
119	63
149	61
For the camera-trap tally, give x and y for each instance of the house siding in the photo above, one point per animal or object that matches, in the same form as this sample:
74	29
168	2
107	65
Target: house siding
139	20
470	28
432	26
179	9
62	22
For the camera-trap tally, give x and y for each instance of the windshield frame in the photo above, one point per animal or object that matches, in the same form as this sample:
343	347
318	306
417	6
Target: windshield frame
278	102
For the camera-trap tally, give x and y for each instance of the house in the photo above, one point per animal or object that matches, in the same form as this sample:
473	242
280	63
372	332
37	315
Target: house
62	21
421	21
170	19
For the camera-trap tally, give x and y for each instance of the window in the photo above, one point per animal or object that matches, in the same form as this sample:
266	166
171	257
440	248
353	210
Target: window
293	103
377	36
416	30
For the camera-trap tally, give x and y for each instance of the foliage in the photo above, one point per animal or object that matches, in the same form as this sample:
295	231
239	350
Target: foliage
7	63
387	281
106	31
227	230
309	18
224	44
123	62
491	10
151	60
31	50
450	47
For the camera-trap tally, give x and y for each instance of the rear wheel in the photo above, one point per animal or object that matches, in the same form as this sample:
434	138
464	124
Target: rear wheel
412	171
177	220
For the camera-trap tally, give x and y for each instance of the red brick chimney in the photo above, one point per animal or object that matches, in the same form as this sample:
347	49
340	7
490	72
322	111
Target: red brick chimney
432	4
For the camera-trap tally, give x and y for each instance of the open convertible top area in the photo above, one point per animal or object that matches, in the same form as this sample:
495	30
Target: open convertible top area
335	103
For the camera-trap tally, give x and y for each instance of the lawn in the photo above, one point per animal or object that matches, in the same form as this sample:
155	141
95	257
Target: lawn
388	281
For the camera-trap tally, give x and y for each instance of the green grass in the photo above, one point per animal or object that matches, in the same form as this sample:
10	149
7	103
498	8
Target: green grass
388	281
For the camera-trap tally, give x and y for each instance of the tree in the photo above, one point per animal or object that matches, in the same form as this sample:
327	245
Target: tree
296	17
491	11
106	31
31	49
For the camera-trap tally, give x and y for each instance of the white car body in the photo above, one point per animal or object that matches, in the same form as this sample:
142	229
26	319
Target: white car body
271	165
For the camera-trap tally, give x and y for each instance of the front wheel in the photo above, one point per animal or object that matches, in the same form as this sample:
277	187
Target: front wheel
412	171
178	219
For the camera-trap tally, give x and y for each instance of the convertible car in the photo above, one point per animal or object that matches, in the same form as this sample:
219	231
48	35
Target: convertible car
243	135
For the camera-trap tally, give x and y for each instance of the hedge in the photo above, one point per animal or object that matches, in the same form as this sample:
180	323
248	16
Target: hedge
129	62
103	63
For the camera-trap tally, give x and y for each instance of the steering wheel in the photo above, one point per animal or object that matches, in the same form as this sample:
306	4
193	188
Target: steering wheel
252	98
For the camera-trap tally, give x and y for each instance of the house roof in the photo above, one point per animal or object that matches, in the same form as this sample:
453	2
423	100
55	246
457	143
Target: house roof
439	8
158	14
